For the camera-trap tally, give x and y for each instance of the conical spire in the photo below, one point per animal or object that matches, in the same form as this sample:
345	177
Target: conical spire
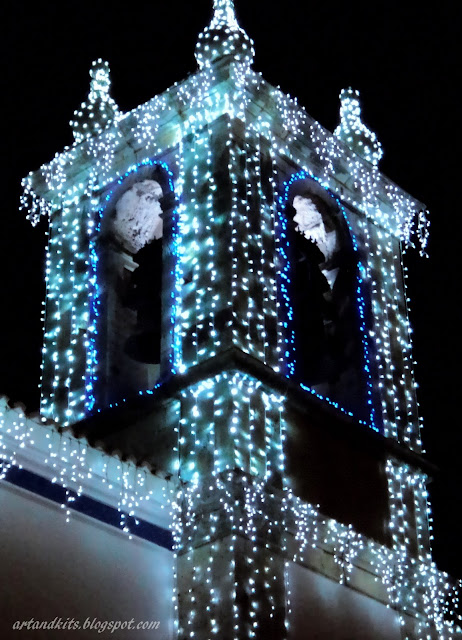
224	39
100	109
353	132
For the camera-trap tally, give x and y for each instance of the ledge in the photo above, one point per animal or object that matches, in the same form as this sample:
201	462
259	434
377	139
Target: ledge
111	420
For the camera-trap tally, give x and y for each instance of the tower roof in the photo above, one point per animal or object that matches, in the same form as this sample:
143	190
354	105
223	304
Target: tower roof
223	38
105	139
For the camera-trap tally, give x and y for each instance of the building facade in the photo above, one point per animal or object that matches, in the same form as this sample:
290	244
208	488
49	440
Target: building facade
227	372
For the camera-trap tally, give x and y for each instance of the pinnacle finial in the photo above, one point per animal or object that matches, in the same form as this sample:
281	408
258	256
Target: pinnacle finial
100	109
353	132
224	14
224	38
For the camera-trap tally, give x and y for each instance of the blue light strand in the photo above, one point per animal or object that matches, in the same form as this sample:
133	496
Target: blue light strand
284	285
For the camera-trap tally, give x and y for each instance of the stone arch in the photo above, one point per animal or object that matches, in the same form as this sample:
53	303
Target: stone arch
133	340
324	311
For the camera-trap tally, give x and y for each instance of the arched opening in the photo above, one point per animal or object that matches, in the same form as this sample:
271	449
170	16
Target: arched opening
133	279
325	321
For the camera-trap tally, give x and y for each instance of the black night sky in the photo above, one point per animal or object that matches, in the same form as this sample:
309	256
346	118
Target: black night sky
403	61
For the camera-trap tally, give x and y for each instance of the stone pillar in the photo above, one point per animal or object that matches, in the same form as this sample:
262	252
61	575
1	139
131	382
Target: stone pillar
231	565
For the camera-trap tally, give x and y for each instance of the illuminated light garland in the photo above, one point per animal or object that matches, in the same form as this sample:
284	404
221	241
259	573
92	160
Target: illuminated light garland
423	232
82	299
102	151
264	265
380	332
198	91
404	203
234	233
196	222
425	591
420	594
395	374
368	182
148	123
250	254
33	204
68	462
415	587
406	382
346	544
237	449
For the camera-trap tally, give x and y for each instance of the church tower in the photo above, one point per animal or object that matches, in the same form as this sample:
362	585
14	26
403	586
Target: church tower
226	304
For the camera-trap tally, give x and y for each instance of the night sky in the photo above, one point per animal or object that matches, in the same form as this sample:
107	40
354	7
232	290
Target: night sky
403	61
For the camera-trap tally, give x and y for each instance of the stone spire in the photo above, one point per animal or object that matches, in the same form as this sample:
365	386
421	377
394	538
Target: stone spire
99	109
224	39
353	132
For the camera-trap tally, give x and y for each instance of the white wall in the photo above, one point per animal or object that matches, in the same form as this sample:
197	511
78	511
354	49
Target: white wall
79	569
323	610
86	569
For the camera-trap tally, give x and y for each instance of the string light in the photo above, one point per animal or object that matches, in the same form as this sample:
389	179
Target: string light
231	428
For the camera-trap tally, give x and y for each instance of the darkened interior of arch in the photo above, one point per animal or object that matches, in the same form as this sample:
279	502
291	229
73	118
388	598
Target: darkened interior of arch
143	295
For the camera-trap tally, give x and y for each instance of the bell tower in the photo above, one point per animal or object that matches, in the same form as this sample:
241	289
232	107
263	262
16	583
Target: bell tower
226	303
